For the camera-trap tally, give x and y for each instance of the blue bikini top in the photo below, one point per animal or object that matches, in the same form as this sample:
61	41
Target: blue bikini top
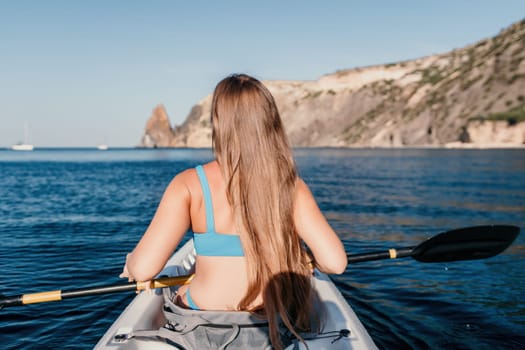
212	243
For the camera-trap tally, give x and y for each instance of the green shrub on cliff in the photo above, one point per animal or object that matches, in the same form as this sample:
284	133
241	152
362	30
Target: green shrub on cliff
512	116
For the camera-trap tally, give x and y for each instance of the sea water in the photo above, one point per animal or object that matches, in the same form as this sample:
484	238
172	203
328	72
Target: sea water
68	218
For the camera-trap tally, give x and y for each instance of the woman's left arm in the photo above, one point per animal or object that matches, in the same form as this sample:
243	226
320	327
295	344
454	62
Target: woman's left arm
166	230
325	245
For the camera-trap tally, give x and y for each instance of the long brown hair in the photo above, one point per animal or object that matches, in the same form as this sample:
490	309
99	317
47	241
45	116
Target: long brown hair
256	161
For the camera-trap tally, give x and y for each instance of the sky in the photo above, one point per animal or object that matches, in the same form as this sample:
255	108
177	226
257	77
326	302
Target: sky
83	73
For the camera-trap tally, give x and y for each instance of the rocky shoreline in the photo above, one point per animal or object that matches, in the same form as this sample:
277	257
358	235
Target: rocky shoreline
473	97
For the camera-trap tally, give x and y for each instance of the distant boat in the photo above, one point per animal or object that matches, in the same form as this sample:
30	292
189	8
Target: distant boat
23	146
102	147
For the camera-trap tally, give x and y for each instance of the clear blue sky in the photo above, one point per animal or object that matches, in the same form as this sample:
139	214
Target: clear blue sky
82	73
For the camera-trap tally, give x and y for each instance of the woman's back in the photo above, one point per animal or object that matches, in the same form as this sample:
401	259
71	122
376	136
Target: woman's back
220	280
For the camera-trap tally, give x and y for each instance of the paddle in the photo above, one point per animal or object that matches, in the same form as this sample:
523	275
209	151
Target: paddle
56	295
469	243
478	242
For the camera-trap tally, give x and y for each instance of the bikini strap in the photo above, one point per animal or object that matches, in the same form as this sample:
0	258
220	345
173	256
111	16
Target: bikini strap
210	223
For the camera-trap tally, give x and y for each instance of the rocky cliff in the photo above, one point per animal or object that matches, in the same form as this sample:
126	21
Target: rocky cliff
158	132
473	96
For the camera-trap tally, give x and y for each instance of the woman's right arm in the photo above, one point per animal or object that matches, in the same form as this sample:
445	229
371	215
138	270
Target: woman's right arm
315	231
167	228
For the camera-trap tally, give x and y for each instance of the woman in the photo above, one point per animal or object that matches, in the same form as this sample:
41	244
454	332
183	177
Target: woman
250	214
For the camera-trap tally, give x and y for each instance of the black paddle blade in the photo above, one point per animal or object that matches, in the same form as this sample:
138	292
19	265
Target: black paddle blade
477	242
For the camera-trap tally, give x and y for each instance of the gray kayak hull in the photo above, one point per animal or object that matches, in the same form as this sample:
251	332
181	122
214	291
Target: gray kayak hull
145	313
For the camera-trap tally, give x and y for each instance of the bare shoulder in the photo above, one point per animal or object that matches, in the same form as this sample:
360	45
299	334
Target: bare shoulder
185	176
188	180
182	183
302	191
301	185
304	201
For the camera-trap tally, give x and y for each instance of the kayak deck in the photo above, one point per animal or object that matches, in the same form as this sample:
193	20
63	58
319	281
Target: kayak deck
145	313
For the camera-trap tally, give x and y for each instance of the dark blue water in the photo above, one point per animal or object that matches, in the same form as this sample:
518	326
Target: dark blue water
68	218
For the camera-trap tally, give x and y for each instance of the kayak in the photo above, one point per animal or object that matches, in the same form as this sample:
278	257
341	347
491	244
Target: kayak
342	329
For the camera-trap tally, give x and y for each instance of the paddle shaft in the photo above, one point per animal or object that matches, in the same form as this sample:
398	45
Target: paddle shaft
57	295
381	255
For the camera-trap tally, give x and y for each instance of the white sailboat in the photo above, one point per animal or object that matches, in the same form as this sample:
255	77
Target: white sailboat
102	147
23	146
